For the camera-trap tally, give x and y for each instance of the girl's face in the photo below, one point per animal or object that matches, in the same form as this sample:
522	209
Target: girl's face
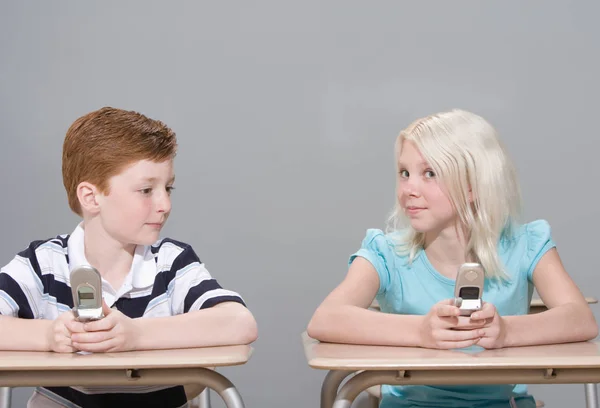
422	198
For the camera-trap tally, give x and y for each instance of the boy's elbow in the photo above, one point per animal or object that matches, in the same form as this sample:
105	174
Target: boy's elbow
247	327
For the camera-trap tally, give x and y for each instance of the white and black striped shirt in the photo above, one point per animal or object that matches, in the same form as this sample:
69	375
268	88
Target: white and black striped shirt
166	279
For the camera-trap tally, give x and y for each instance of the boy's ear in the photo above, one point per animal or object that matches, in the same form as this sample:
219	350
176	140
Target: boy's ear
87	195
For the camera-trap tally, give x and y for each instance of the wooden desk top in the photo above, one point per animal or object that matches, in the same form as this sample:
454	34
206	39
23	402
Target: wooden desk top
330	356
176	358
535	303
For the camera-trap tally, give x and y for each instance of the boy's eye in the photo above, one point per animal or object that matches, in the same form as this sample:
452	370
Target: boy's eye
170	189
146	190
403	173
429	174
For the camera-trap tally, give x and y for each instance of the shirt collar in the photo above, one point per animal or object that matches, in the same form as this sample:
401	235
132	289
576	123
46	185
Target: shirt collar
143	267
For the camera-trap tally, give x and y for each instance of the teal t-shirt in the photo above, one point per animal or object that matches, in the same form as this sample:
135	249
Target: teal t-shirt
414	289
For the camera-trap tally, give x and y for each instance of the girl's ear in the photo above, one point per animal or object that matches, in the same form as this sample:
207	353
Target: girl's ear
471	195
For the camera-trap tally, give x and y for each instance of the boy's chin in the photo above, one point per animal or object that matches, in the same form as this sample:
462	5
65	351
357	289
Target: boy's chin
146	242
149	239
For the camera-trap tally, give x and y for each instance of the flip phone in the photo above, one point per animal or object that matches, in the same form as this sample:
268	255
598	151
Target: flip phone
468	288
86	286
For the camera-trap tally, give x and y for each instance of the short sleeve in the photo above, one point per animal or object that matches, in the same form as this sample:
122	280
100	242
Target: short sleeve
13	299
378	250
21	288
539	241
193	288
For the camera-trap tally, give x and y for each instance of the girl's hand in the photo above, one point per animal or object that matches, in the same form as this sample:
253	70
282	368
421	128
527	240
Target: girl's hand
444	328
493	327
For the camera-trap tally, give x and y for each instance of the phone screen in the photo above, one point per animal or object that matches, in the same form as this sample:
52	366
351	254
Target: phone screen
86	296
469	292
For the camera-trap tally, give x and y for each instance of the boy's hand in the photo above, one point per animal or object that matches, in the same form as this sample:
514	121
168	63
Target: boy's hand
59	335
493	328
444	328
114	332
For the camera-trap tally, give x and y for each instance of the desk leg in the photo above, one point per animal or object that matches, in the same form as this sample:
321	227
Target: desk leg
329	388
223	387
591	397
204	399
5	394
359	383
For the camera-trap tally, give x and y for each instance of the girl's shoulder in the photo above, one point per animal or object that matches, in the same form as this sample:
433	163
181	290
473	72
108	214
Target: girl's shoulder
531	241
528	234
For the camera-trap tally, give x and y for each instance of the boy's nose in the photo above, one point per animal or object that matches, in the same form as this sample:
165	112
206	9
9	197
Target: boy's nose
164	204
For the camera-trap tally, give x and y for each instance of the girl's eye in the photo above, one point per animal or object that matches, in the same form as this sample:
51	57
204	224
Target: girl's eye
403	173
429	174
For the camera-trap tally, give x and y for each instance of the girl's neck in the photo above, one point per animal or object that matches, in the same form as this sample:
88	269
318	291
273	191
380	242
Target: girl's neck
446	250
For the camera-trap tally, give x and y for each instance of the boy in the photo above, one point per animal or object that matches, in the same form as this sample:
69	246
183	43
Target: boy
118	172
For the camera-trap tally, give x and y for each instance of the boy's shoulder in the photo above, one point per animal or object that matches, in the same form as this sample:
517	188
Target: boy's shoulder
167	245
40	257
54	242
48	248
168	250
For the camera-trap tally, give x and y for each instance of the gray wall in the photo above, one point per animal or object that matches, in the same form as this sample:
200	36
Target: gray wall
286	114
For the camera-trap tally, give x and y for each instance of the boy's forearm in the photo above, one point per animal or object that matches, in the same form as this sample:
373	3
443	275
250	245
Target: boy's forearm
355	325
24	334
563	324
229	324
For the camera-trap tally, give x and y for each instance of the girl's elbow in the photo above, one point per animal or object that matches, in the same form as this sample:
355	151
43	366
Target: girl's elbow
587	326
313	329
590	325
317	325
591	329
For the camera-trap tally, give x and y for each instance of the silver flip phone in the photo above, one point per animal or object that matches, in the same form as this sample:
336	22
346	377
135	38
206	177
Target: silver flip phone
468	288
86	286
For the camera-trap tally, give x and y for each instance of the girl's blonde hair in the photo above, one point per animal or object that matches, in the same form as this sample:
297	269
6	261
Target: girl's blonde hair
464	151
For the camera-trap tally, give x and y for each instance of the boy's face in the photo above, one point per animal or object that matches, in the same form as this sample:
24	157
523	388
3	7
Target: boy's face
138	203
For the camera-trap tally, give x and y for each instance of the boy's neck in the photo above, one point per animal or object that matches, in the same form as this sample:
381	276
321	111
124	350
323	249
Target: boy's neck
446	250
111	258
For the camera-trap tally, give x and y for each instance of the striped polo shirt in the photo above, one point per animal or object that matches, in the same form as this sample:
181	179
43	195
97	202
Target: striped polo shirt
165	279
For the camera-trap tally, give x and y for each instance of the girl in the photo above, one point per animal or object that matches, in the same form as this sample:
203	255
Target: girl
457	201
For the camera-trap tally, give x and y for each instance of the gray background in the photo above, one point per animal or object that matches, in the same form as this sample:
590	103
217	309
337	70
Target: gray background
286	114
